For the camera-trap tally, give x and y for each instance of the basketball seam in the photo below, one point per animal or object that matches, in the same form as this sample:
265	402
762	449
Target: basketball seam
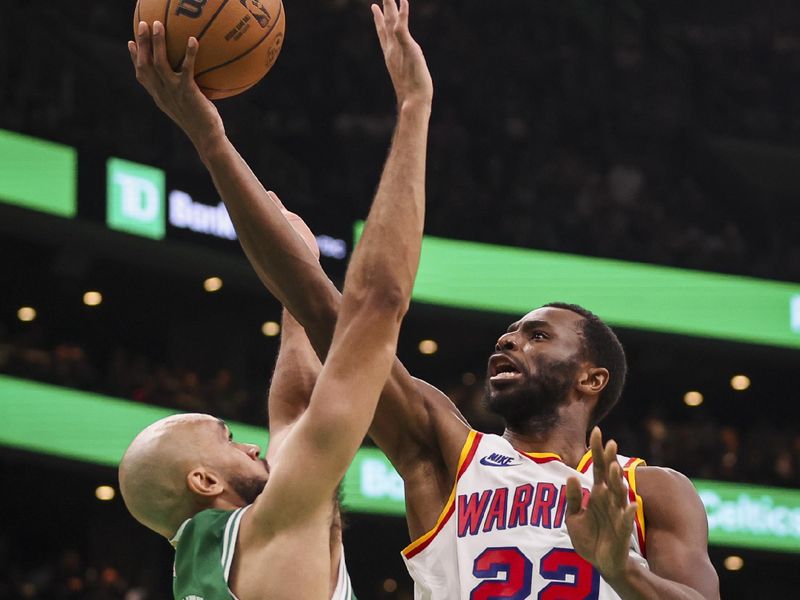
213	89
211	20
253	47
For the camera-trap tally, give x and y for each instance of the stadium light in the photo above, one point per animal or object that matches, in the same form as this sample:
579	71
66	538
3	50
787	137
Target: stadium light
734	563
105	493
92	298
428	347
271	328
740	382
26	314
693	398
212	284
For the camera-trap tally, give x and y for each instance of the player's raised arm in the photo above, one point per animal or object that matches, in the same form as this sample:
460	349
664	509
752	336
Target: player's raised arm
296	370
279	256
377	293
297	366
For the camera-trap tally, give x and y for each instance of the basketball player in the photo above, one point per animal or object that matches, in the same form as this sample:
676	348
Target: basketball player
531	514
534	514
240	525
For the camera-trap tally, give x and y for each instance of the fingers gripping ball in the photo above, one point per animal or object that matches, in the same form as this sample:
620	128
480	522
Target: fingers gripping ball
239	39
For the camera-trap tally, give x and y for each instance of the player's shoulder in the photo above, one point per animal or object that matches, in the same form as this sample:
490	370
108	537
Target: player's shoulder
667	494
211	521
210	516
661	479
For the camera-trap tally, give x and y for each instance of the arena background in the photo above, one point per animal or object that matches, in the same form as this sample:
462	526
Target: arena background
658	133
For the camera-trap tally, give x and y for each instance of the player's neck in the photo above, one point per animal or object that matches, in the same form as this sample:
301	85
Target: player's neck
565	438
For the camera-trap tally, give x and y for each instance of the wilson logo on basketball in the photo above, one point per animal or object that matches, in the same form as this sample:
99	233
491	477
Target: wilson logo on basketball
190	8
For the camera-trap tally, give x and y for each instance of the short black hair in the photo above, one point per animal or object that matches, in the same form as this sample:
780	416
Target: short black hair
602	347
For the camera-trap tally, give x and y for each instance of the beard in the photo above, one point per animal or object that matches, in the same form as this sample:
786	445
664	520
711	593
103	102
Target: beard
534	403
248	488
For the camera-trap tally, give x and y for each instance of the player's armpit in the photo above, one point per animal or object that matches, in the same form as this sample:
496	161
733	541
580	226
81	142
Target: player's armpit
677	531
414	421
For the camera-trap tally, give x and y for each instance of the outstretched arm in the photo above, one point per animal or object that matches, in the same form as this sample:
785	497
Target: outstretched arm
281	259
376	296
297	366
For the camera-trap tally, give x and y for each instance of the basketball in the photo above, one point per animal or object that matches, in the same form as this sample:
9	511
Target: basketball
239	39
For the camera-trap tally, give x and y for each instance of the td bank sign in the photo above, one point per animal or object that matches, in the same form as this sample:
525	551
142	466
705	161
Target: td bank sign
137	204
135	198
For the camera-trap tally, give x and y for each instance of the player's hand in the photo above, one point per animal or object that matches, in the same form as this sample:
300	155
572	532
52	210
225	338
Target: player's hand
600	527
175	93
404	58
298	224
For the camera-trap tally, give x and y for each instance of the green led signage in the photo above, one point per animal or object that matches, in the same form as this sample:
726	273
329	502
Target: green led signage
88	427
371	485
80	425
38	175
640	296
135	198
751	516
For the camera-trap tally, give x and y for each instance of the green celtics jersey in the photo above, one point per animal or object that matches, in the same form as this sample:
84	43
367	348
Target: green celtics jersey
204	548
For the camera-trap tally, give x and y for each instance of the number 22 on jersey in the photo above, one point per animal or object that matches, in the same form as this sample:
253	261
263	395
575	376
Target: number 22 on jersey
571	577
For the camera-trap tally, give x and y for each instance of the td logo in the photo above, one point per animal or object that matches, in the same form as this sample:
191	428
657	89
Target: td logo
135	198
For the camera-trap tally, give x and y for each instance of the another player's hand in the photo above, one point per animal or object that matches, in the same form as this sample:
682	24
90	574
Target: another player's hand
600	527
175	93
298	224
404	58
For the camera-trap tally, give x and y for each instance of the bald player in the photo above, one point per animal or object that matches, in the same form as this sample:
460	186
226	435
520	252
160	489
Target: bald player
238	525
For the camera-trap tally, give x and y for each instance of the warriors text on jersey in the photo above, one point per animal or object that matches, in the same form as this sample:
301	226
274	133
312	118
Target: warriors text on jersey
204	549
502	533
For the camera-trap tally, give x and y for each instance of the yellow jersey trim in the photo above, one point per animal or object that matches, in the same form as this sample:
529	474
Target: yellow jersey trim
631	470
450	504
552	455
584	461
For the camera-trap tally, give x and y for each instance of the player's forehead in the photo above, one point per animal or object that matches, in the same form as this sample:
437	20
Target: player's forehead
220	427
550	317
206	426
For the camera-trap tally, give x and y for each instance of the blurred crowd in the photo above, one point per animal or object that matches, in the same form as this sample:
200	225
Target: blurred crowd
660	132
66	577
764	451
130	375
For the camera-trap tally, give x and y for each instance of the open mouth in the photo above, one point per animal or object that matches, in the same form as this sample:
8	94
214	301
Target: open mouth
501	368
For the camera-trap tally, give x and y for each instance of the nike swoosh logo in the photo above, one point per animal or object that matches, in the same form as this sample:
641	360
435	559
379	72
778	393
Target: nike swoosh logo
487	462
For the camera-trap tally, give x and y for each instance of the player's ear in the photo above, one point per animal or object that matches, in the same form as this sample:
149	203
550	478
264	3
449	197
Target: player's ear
592	380
204	483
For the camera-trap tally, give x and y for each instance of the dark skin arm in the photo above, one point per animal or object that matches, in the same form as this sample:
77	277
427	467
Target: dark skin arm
677	539
676	529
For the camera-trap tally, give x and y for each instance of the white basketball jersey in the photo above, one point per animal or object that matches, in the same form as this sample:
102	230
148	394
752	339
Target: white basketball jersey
502	533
